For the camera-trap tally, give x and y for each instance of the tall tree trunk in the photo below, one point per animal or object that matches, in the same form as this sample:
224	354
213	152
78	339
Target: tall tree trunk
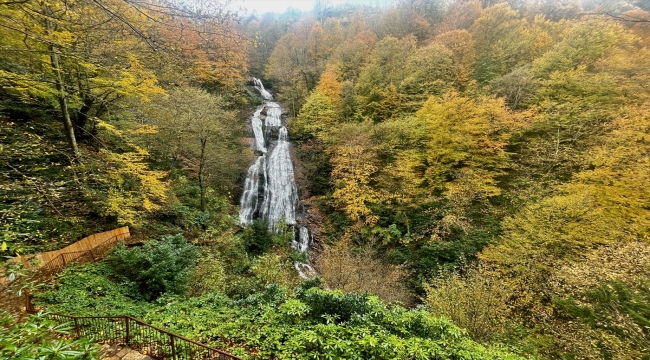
82	116
63	103
201	166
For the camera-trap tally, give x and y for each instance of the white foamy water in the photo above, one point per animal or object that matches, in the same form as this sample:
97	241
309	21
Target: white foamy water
277	200
256	124
280	190
250	197
260	87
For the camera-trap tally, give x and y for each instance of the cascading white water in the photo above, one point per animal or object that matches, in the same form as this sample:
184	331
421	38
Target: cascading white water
273	115
280	193
260	87
250	197
303	242
256	124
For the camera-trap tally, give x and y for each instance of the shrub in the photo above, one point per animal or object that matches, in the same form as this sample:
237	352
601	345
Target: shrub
360	270
157	267
40	338
259	240
475	301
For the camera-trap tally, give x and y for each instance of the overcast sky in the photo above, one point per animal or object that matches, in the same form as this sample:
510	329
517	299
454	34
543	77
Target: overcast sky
280	6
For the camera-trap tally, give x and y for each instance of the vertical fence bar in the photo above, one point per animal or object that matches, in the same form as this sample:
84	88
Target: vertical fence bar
171	337
76	327
127	341
140	336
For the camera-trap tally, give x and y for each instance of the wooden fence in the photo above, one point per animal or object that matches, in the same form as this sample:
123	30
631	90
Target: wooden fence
80	247
91	248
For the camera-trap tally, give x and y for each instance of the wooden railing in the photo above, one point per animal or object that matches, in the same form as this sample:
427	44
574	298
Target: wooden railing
60	261
93	250
138	335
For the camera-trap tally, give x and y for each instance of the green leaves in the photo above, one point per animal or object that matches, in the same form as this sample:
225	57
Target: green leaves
40	338
157	268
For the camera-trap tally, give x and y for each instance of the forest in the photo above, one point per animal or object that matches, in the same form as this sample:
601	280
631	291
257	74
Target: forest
475	174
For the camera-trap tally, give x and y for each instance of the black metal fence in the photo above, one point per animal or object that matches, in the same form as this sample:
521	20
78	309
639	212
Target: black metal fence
138	335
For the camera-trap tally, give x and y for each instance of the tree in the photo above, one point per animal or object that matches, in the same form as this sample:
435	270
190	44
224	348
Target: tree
430	71
475	301
503	41
95	53
386	65
198	127
465	151
316	117
403	22
362	270
329	85
354	167
461	44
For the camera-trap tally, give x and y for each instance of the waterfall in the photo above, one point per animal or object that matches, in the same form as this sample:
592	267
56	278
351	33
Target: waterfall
260	87
277	200
280	191
256	124
249	198
273	115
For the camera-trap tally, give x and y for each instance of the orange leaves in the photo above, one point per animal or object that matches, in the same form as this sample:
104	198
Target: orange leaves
330	86
212	48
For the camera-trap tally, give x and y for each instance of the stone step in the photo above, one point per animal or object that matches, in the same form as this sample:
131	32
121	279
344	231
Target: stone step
120	352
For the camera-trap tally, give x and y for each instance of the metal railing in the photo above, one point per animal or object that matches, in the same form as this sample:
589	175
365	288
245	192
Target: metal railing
140	336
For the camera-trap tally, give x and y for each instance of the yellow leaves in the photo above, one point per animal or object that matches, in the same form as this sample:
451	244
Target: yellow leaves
585	43
476	301
606	204
352	170
461	44
316	117
465	148
135	191
133	80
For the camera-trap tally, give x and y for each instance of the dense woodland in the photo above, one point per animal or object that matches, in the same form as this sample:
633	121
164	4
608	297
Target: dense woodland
476	172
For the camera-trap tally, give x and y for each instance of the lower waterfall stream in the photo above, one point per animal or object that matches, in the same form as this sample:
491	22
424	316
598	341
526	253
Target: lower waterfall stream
270	190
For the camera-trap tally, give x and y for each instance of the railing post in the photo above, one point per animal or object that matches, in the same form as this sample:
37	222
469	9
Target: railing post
127	341
173	347
29	306
76	327
92	256
63	257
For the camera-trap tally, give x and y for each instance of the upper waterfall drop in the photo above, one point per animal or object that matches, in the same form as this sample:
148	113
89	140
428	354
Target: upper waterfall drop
256	124
260	87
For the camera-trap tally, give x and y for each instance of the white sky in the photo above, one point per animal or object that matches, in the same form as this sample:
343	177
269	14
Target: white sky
280	6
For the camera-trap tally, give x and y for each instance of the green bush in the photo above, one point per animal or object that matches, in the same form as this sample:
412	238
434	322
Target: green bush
259	240
87	290
156	268
40	338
